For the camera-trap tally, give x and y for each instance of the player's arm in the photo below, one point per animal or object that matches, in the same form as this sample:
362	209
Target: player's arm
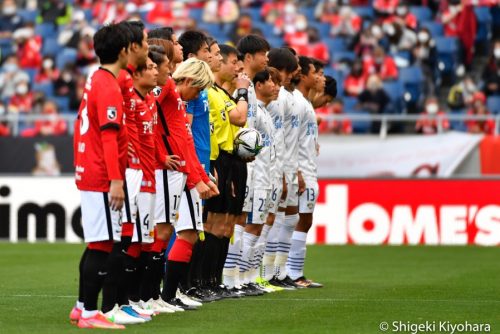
238	115
190	111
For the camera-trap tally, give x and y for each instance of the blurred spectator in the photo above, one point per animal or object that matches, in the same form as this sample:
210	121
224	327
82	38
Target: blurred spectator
460	95
326	9
491	74
65	85
283	15
400	37
85	53
425	56
380	64
170	13
28	47
9	19
10	76
478	107
341	127
54	126
274	10
110	11
221	11
369	39
346	23
374	99
22	100
69	36
385	7
241	28
403	16
48	72
355	82
54	11
297	36
316	48
432	118
4	128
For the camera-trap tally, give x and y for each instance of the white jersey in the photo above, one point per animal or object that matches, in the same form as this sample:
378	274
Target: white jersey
262	164
291	127
308	138
252	106
275	109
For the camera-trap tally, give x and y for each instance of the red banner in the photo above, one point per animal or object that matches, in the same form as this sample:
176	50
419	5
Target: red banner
413	212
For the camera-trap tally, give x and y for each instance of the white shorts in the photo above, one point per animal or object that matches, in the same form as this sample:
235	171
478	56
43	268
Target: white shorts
190	212
128	214
169	187
144	231
260	206
247	203
275	200
96	218
308	199
292	184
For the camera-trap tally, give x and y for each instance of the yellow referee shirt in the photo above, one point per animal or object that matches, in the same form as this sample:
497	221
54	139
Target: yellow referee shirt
221	130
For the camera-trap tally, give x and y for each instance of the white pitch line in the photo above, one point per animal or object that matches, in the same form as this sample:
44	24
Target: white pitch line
486	301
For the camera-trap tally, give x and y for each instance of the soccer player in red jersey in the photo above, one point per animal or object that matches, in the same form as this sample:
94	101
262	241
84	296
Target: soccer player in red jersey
100	146
121	264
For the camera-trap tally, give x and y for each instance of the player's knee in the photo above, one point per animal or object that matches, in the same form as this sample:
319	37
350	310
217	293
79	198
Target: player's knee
190	236
164	231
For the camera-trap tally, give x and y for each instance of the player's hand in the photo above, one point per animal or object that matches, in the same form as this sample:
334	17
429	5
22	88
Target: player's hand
284	194
203	190
302	183
242	81
172	162
214	191
216	175
249	159
116	195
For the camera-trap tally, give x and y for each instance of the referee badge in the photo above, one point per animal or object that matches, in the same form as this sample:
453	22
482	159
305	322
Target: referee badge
111	112
223	114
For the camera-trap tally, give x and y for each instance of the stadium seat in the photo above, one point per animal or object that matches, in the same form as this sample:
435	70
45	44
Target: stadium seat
448	57
67	55
436	29
27	15
395	89
50	46
62	102
266	28
484	21
338	76
341	56
335	44
47	88
422	13
455	124
6	48
88	15
349	103
360	126
413	81
31	73
254	13
309	13
323	28
493	103
366	12
46	30
275	41
196	14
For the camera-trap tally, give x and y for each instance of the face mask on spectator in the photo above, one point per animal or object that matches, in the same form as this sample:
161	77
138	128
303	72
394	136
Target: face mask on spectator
2	110
66	76
9	10
432	108
423	37
470	87
389	29
301	25
22	89
496	53
10	68
402	11
47	64
377	31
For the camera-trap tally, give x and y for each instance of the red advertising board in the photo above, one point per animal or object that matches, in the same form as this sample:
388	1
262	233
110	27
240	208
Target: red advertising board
413	212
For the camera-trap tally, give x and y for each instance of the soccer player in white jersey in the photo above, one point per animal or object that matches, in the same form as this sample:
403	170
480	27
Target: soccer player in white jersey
310	78
253	49
285	62
259	177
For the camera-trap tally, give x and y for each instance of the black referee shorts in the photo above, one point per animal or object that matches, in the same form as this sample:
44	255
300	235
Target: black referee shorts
239	180
223	167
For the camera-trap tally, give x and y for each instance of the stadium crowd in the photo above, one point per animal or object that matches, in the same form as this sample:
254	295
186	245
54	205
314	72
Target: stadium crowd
388	56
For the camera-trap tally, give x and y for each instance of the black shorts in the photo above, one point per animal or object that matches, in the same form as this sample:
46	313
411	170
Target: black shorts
223	169
239	179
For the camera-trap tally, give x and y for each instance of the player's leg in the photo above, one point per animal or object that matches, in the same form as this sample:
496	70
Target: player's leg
297	256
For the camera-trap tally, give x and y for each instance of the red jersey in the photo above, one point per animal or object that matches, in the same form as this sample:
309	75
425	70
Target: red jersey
146	120
129	109
101	109
177	138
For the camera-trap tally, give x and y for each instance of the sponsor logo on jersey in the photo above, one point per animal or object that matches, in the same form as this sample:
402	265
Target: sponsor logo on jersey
111	112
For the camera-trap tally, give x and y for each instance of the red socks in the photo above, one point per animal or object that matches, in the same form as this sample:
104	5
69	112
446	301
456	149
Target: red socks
181	251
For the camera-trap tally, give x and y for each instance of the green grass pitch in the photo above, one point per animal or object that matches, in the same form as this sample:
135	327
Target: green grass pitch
363	287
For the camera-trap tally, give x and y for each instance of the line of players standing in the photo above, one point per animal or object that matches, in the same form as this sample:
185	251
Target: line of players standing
155	154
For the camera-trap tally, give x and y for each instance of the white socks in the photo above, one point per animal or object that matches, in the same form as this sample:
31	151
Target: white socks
271	246
230	271
249	241
297	256
284	243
